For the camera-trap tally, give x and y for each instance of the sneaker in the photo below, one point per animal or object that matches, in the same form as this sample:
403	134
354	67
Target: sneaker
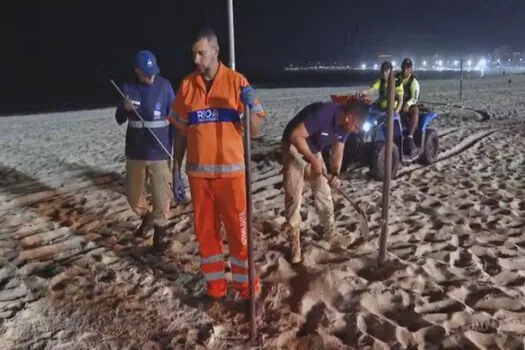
145	226
294	235
159	233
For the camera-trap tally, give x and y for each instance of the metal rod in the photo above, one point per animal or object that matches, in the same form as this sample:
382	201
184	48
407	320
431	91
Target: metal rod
248	167
249	223
388	168
461	80
142	119
231	34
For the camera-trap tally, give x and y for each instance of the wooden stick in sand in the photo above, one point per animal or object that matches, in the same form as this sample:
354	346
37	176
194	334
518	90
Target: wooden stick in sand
388	169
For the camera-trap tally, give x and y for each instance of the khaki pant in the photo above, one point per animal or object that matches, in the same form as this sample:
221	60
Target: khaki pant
156	176
295	171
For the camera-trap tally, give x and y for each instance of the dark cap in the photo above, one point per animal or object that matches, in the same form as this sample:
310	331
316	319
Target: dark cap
147	62
407	63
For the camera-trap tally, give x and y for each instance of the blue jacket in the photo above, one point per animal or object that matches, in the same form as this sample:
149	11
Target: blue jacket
153	102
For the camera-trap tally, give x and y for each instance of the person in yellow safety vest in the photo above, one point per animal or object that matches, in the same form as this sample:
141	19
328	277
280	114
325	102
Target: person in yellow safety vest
409	110
381	86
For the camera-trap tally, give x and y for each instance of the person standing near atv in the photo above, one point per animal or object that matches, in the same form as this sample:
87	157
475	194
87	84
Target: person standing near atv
409	110
208	112
147	160
381	87
318	125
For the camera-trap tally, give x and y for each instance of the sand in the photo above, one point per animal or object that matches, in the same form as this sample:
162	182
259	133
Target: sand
73	277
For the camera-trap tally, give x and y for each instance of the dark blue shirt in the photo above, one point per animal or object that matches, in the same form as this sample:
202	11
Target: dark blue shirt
320	120
153	102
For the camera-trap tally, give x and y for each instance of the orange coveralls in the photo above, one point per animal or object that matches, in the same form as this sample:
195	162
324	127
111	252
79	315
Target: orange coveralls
215	168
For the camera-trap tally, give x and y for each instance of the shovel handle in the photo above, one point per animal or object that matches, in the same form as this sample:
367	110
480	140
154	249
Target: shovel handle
362	215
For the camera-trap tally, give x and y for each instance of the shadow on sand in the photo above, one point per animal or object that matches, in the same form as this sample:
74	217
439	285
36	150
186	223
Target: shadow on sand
87	218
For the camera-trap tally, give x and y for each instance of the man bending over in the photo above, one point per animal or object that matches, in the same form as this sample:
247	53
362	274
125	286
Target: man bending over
318	125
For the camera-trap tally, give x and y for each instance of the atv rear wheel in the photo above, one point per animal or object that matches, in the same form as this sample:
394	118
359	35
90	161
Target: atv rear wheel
430	148
377	166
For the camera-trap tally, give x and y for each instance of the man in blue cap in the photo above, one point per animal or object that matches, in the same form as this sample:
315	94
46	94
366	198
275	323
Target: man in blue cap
149	145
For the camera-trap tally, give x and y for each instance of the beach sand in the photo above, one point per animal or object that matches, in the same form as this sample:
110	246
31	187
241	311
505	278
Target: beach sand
73	276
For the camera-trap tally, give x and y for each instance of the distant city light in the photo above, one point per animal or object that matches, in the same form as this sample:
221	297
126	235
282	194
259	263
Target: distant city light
482	63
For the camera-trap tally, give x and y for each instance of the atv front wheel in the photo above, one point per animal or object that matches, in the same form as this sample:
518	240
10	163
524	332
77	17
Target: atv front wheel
431	148
377	166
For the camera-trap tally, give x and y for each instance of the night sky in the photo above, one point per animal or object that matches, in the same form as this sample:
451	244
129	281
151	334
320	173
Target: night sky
74	45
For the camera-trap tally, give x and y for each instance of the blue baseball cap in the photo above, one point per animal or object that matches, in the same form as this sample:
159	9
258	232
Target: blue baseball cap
147	62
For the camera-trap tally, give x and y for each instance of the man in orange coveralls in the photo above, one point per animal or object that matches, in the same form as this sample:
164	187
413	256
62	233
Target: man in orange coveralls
208	110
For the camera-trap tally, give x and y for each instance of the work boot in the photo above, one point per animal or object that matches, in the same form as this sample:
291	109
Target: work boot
294	235
412	148
145	226
159	233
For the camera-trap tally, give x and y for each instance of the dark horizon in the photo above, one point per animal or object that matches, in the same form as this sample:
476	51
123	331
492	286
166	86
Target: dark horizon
58	50
103	94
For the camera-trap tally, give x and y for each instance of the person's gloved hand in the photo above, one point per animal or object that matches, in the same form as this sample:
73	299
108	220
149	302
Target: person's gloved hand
179	192
248	96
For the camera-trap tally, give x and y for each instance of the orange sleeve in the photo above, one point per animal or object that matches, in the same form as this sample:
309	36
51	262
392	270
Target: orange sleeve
258	108
179	113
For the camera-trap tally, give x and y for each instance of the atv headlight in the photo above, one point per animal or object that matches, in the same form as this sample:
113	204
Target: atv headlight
367	126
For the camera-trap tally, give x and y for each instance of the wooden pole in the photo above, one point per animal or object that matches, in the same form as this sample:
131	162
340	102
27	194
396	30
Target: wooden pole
248	167
388	168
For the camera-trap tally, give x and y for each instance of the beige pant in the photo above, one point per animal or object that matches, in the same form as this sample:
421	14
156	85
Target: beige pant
156	176
296	170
